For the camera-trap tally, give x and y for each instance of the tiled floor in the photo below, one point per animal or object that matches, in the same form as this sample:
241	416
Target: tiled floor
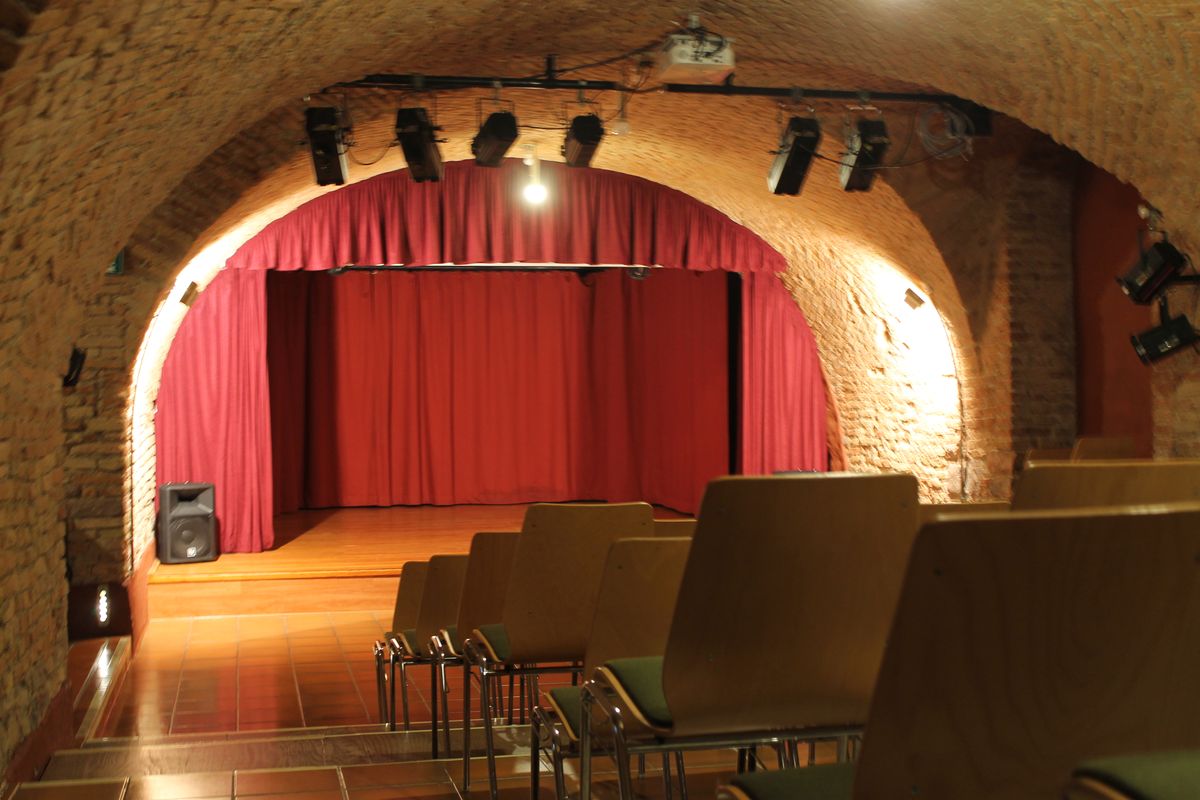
251	673
218	687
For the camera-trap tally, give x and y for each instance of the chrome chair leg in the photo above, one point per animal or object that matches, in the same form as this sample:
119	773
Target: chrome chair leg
511	682
466	750
488	704
441	668
380	650
433	711
843	744
585	745
683	792
403	695
641	761
666	775
535	758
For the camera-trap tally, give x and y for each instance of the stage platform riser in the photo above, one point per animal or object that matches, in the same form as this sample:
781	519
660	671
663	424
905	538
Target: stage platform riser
285	596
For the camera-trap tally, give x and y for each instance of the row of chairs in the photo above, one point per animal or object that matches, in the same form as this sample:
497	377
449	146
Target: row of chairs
773	626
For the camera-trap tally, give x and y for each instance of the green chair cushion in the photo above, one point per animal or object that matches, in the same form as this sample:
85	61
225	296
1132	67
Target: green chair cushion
826	782
1154	776
409	637
497	639
569	705
641	678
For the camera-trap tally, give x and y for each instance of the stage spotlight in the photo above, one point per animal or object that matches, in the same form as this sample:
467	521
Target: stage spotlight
417	136
583	137
865	149
1153	273
325	139
496	135
1168	338
796	150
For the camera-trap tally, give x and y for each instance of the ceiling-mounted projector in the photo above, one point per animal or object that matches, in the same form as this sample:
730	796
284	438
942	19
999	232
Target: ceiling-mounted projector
695	57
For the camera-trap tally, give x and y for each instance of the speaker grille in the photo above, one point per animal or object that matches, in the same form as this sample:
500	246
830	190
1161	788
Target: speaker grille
190	539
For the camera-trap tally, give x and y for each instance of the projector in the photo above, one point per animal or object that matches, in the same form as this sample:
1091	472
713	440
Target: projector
695	58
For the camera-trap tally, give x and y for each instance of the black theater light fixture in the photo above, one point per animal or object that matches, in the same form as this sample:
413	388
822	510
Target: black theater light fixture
797	147
583	137
418	138
326	141
1155	270
496	135
865	148
1171	335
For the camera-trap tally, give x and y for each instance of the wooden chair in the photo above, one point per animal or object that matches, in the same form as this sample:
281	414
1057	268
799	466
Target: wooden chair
932	511
549	602
1148	776
780	625
1023	645
1103	448
418	644
674	528
404	616
1106	483
637	597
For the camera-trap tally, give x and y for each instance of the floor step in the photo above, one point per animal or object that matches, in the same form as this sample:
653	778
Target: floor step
245	752
224	736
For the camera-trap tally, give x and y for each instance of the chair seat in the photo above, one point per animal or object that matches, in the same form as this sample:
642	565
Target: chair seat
568	705
827	782
1154	776
495	639
640	681
451	641
408	638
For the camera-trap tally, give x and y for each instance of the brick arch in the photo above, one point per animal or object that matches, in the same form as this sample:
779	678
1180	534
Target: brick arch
835	245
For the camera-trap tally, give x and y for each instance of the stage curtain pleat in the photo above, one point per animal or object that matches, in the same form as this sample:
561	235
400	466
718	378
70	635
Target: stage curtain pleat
213	422
502	387
784	421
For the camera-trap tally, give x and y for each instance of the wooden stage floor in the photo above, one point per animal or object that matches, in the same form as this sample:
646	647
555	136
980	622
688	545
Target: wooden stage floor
344	559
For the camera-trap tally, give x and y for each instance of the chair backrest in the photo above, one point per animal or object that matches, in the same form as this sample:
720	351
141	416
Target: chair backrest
1106	483
931	511
408	595
443	593
1092	448
637	599
489	566
1027	643
551	597
674	528
789	590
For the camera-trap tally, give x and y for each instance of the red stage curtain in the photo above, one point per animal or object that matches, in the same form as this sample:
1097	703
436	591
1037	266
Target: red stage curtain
499	387
213	415
475	215
784	422
215	421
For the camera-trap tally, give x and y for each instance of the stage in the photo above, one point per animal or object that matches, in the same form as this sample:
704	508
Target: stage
345	559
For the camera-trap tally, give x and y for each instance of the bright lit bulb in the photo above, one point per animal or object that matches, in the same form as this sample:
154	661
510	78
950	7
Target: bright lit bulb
102	608
535	193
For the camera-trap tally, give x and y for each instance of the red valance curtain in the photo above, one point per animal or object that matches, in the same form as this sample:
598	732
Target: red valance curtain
222	431
505	387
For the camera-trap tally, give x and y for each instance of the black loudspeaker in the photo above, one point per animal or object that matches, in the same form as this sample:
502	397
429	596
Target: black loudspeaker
187	526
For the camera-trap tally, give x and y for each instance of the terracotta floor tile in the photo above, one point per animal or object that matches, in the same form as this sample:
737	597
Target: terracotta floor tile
181	787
